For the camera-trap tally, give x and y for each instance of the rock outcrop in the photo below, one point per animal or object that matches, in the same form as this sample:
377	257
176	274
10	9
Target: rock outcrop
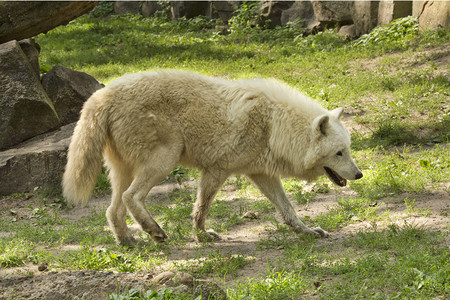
388	11
315	16
432	14
38	162
365	16
68	90
25	108
270	12
31	50
124	7
190	9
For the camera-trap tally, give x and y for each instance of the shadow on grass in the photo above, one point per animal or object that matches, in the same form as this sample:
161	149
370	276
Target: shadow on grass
395	133
119	41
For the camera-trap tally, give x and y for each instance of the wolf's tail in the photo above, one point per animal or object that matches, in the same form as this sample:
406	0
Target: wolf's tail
85	156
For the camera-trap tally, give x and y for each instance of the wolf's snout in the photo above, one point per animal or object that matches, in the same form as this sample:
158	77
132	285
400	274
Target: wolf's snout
358	175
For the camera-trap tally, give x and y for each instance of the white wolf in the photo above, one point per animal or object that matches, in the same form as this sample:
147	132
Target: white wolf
144	124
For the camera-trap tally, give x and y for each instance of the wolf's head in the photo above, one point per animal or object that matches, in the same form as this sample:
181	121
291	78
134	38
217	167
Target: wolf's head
330	151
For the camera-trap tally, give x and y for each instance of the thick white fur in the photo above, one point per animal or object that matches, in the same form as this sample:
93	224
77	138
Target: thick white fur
144	124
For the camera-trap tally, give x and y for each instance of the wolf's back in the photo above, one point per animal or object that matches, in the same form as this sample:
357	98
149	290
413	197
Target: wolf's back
84	158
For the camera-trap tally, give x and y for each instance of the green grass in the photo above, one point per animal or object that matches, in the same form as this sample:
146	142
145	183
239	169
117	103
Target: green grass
135	294
214	263
394	84
277	286
121	260
394	262
405	170
18	252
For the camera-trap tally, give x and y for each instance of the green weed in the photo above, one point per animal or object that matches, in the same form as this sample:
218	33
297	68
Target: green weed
104	259
135	294
346	210
102	186
401	171
398	33
17	252
214	263
226	214
276	286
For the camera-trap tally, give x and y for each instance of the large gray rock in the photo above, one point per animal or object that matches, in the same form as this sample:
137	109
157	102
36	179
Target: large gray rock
24	19
270	12
432	14
149	8
124	7
190	9
299	11
390	10
38	162
31	50
348	31
365	16
68	90
25	109
318	15
224	10
330	13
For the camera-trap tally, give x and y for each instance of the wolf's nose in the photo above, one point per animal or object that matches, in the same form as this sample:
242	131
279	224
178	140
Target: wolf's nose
358	175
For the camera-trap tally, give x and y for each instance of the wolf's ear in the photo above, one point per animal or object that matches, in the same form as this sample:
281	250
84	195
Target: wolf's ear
320	125
337	112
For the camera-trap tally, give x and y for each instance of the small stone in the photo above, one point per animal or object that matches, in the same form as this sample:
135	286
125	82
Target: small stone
209	290
251	215
163	277
182	289
43	267
183	279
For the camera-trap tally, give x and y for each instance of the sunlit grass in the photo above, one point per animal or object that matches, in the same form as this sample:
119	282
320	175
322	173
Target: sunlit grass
402	149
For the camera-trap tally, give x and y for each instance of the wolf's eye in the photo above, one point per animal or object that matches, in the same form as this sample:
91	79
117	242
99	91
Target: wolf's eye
339	153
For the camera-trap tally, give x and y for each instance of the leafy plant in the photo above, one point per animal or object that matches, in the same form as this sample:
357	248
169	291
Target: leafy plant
276	286
100	259
398	32
135	294
18	252
102	9
245	17
215	262
346	210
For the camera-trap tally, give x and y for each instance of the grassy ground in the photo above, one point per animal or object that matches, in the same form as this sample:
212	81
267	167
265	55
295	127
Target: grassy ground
395	90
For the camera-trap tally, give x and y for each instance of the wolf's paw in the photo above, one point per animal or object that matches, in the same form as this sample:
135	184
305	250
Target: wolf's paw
315	231
319	232
207	236
127	240
159	236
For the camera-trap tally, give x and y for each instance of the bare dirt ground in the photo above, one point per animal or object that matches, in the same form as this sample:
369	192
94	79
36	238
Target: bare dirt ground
17	283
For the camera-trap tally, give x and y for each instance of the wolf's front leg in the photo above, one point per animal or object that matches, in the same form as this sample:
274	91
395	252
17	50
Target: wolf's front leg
209	184
272	188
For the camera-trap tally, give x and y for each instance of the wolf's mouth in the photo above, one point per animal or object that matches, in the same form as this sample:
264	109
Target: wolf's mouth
338	180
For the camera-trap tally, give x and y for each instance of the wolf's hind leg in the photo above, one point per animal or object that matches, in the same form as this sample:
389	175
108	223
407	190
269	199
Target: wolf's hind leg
116	212
120	177
209	184
146	177
272	188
